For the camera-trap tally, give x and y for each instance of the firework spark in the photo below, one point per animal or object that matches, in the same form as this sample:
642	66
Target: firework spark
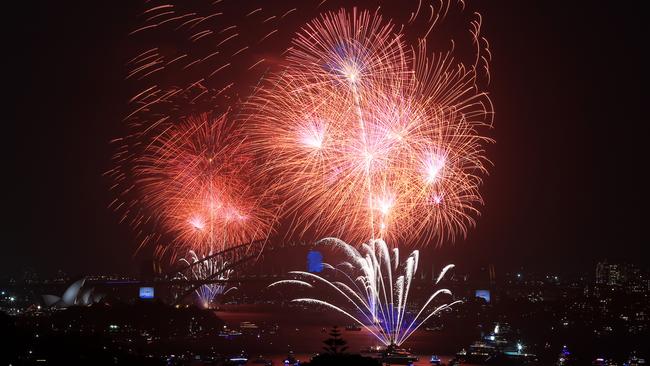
202	268
363	134
372	292
192	58
368	137
193	177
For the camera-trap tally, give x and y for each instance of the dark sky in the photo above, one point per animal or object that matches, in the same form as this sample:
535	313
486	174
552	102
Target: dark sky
567	187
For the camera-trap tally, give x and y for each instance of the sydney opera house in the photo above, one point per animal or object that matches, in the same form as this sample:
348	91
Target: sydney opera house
75	294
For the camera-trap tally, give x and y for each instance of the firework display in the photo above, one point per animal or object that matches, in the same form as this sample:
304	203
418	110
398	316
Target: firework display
194	177
359	131
374	291
317	120
205	267
370	137
179	172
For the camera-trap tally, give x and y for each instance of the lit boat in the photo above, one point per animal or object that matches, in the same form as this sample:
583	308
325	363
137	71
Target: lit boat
248	325
291	360
601	361
240	359
372	352
435	360
565	358
353	327
634	361
434	328
390	355
229	333
261	361
479	352
397	356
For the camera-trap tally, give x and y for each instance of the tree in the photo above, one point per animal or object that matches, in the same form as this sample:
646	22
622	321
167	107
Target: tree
335	344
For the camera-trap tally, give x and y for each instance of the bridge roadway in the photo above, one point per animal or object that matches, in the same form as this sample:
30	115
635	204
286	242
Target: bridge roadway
183	281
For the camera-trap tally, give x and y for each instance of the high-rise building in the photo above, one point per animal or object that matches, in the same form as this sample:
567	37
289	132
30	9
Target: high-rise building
601	277
625	276
615	275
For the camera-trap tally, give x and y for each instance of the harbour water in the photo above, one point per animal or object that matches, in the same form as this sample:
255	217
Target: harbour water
302	330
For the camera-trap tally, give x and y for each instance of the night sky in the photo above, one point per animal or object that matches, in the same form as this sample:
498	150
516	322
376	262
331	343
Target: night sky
567	188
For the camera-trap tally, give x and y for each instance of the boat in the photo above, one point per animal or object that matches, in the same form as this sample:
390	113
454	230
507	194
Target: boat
248	325
227	333
261	361
240	359
633	360
602	361
390	355
397	356
435	360
372	352
291	360
478	352
564	358
434	328
353	327
499	347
